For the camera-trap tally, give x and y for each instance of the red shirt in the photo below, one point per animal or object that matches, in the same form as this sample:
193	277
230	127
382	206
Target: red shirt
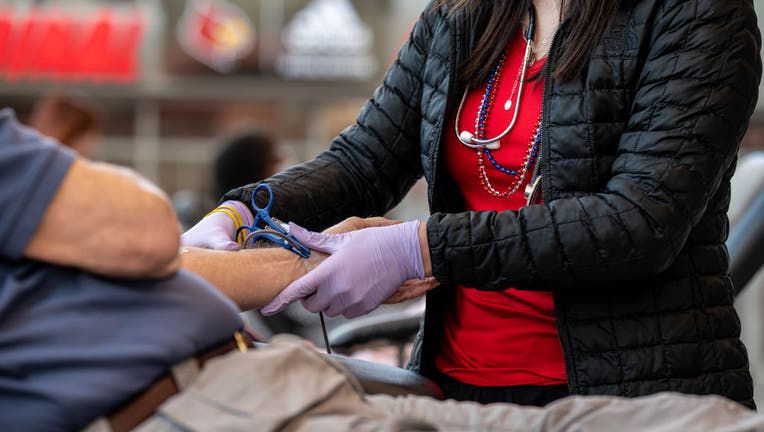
508	337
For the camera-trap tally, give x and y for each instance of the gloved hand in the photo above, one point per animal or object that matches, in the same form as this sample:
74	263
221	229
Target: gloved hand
217	230
364	269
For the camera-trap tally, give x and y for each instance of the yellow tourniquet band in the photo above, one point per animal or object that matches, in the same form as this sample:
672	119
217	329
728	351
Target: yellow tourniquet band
234	215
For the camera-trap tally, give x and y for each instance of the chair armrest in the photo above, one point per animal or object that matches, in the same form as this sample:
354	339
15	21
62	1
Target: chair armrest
393	326
377	378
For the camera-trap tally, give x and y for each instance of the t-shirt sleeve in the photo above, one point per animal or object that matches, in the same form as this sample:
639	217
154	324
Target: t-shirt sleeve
31	169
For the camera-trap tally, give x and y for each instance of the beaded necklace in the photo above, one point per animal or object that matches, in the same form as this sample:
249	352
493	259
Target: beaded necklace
486	105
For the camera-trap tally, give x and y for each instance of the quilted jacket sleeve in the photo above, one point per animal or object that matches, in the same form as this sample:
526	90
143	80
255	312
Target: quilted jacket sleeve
371	165
694	97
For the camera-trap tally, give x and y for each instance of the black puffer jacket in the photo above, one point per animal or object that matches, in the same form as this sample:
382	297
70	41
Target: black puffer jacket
636	162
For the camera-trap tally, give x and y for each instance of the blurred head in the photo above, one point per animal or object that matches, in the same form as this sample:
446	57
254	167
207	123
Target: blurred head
70	120
243	159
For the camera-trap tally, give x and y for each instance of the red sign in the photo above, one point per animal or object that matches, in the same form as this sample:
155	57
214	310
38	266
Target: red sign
101	45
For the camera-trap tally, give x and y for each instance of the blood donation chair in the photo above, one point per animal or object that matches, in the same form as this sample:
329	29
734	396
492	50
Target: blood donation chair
377	378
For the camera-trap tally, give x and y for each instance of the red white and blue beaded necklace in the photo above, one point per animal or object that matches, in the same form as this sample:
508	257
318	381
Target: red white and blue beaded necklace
485	108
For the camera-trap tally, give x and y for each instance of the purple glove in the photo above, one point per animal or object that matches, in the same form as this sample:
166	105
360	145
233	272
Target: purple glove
217	230
365	268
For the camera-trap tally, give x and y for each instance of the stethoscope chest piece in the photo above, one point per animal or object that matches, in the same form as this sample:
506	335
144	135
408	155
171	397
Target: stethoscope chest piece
467	137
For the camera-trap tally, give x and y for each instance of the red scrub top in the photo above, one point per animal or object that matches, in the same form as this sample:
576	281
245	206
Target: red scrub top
499	338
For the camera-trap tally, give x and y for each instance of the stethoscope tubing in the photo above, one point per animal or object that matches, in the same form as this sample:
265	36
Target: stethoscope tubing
467	138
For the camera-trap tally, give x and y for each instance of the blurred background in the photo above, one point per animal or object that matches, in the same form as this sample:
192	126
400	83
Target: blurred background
172	82
201	96
193	93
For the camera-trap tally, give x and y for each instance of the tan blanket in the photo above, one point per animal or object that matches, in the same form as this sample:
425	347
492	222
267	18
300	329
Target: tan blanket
290	387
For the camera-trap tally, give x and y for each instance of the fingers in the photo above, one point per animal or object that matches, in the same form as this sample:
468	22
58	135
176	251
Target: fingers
356	311
319	302
313	284
352	223
225	245
334	309
209	243
296	290
327	243
355	223
380	222
412	289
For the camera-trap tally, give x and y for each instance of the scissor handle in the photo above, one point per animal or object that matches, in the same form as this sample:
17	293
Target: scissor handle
266	187
262	214
279	234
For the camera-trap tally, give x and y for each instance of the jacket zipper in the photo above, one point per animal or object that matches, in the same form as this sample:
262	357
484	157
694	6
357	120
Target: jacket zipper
449	104
544	173
424	362
544	152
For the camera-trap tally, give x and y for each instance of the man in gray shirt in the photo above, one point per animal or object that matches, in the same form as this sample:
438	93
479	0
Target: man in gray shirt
93	306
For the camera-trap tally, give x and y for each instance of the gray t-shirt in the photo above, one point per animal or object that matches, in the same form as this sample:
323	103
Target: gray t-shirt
74	346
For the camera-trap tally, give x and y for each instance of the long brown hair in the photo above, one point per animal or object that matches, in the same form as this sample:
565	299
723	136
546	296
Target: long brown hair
589	19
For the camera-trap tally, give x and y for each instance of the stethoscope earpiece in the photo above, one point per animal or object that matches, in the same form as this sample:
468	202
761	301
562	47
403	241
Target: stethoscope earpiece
530	32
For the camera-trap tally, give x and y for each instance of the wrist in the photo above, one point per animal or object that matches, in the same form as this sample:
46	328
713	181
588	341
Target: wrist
424	248
245	216
235	215
413	248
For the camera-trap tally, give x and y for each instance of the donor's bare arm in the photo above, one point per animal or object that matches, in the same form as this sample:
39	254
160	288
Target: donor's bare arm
108	220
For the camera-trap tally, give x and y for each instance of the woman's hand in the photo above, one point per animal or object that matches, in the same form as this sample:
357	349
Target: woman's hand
365	268
217	230
410	289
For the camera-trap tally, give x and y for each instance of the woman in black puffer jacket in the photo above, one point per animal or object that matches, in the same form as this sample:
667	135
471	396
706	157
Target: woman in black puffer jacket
615	280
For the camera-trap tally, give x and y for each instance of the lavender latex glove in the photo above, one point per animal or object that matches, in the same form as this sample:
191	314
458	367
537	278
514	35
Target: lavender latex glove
365	268
217	230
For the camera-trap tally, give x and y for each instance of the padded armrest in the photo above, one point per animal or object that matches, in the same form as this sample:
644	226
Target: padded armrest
394	326
377	378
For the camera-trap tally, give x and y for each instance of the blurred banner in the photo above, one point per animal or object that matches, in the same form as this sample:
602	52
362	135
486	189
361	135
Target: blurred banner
127	42
83	43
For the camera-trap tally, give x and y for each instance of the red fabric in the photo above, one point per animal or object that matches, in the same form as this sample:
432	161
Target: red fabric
508	337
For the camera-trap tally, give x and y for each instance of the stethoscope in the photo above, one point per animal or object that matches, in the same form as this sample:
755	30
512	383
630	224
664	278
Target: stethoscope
466	137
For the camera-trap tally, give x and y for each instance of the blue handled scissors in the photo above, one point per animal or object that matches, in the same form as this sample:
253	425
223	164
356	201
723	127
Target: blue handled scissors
267	228
273	230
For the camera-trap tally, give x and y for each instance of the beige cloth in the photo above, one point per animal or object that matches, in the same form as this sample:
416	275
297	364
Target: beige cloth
663	412
290	387
287	386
